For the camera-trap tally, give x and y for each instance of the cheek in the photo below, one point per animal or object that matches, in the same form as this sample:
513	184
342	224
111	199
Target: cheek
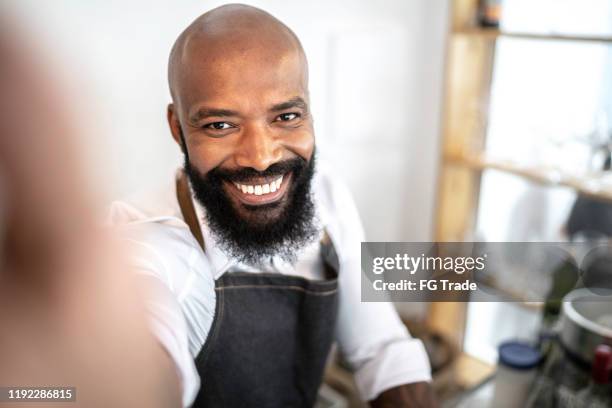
301	143
209	154
206	156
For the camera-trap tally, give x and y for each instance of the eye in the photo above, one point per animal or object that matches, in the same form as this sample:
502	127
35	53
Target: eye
218	126
287	117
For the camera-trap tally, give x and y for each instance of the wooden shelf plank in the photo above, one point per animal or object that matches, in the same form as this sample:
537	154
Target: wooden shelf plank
491	33
593	186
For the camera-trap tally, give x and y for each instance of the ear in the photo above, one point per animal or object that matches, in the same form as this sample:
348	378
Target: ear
175	124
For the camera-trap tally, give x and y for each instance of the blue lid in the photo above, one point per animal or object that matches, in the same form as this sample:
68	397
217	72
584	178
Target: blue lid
518	355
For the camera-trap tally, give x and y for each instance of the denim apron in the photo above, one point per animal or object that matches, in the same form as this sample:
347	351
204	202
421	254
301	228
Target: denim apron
271	333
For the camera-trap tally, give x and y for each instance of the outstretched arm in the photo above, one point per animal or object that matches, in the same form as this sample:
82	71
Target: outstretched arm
69	313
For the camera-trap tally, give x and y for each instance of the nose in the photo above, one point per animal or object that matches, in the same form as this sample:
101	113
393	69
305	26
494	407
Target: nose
258	148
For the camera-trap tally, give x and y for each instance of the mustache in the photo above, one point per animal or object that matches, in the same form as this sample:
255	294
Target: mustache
245	174
254	234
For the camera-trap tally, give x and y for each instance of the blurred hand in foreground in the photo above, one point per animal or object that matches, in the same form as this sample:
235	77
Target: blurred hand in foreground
70	314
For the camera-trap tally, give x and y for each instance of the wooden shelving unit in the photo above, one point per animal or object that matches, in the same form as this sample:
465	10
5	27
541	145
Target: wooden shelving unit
469	68
470	56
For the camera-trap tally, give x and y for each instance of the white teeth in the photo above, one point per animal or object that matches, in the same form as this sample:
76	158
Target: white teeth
260	189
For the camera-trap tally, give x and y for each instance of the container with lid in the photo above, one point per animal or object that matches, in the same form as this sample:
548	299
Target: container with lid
518	363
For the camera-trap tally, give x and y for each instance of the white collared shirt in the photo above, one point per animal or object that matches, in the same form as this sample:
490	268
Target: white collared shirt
370	336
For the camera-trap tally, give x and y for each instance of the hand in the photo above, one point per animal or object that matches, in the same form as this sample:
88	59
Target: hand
416	395
70	315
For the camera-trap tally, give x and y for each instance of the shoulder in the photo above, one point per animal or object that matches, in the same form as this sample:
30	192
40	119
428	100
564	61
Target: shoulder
336	206
168	252
330	189
157	240
145	205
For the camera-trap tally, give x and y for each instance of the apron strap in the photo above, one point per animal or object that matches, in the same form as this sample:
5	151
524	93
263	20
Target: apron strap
330	257
183	195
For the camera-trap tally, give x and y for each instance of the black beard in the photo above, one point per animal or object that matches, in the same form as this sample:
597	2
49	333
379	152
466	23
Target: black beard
259	235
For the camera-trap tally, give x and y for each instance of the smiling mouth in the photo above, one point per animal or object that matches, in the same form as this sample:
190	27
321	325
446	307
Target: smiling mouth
261	192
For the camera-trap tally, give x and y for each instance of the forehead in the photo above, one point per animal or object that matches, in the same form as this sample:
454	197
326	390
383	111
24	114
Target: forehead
248	75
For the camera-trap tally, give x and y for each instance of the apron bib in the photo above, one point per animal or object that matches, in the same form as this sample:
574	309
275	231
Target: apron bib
271	333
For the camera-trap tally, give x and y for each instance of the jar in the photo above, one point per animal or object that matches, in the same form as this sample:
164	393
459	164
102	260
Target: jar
516	371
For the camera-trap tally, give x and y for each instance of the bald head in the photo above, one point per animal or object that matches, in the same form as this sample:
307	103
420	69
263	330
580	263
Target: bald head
239	84
240	113
231	34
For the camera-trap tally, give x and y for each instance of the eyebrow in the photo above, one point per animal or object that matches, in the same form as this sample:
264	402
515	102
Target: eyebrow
203	113
296	102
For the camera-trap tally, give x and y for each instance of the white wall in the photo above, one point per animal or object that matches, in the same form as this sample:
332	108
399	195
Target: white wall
376	78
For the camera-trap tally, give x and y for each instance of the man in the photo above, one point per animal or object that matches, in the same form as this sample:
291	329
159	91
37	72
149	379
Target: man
252	256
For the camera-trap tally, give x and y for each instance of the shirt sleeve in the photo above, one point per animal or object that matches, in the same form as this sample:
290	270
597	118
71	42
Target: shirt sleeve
374	341
165	315
169	327
371	337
